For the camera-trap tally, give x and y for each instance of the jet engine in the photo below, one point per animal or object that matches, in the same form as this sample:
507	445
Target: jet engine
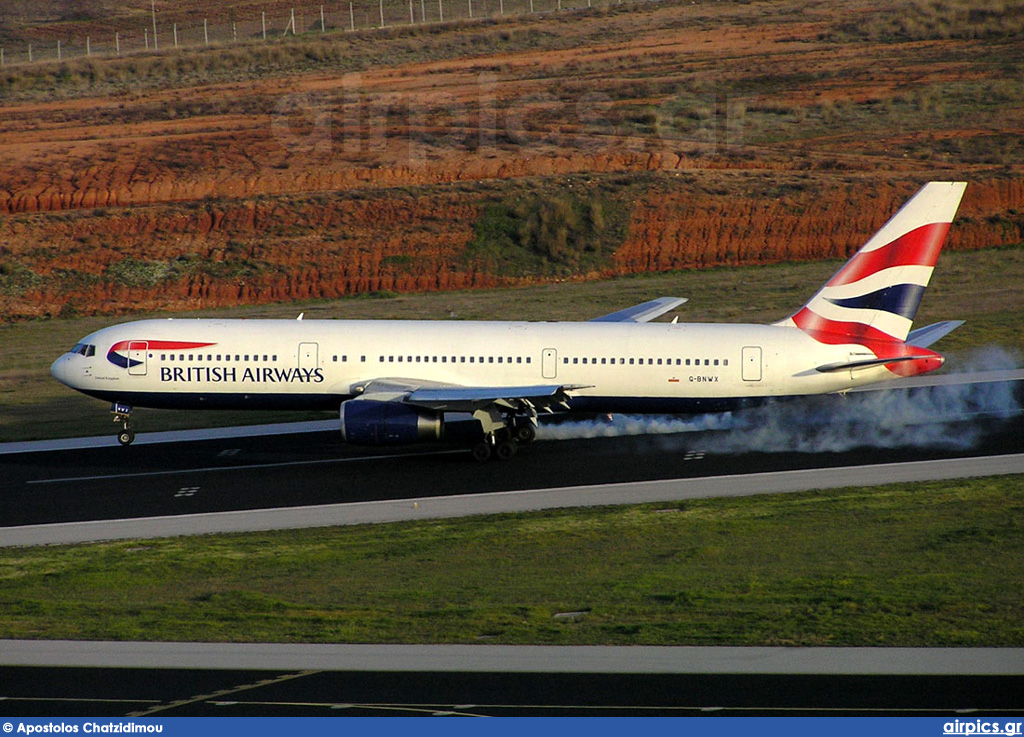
371	422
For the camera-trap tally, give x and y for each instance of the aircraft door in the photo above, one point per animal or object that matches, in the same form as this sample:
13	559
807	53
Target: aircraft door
549	363
309	356
751	363
138	350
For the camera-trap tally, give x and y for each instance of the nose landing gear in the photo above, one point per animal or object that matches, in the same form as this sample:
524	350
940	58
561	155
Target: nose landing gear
122	415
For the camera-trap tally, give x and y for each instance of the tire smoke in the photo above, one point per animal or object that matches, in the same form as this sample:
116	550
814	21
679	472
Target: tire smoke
939	417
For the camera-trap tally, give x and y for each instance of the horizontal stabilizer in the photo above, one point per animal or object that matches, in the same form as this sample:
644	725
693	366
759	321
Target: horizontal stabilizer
643	312
867	363
924	337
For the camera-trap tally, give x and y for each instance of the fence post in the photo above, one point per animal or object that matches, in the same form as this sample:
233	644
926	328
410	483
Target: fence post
145	34
412	14
440	9
30	52
381	4
1	57
531	6
117	42
351	17
175	35
206	33
234	32
294	29
470	8
423	11
323	26
59	57
263	22
88	48
152	5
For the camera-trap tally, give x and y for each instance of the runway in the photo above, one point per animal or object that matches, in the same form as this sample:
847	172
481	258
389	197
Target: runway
191	679
509	501
247	479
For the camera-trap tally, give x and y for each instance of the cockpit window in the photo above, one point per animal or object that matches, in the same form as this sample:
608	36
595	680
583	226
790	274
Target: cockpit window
84	349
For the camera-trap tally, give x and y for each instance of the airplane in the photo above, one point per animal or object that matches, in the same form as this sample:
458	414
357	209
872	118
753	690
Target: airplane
485	383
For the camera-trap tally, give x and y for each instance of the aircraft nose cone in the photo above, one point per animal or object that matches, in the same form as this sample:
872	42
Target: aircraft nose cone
59	369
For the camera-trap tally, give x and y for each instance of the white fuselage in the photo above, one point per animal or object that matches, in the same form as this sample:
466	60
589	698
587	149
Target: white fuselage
315	364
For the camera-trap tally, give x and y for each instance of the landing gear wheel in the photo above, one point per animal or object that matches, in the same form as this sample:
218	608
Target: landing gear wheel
481	451
125	437
526	433
506	450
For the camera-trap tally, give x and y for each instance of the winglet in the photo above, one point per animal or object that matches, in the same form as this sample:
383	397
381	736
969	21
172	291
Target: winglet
644	312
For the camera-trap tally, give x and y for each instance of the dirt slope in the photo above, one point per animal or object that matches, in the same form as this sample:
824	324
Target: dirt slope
721	134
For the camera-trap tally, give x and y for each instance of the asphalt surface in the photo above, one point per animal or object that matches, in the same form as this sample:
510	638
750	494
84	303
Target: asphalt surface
316	468
174	693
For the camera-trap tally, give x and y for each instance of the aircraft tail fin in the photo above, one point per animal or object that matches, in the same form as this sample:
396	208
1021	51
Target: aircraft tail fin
875	295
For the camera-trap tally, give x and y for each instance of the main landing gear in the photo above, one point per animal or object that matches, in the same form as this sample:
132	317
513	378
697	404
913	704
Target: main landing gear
503	435
122	415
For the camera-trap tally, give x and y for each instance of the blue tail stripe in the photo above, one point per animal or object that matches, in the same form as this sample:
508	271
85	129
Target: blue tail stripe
898	299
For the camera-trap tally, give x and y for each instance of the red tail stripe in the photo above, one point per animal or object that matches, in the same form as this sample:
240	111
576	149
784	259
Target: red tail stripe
919	247
832	332
882	345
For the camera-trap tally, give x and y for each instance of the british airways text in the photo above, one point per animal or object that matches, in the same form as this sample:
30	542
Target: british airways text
259	375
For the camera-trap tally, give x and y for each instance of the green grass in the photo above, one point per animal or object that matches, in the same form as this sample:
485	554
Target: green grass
936	564
981	287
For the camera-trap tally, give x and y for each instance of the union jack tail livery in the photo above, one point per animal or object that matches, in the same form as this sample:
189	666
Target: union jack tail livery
871	301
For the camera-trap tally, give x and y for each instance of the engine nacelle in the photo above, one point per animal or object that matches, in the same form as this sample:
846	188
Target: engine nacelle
370	422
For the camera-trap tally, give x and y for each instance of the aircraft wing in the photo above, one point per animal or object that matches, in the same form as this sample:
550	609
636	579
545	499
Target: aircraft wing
644	312
456	398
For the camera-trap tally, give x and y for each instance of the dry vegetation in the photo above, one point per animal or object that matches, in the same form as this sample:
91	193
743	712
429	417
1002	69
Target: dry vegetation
627	139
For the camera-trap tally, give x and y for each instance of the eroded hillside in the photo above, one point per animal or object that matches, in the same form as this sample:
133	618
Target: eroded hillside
630	138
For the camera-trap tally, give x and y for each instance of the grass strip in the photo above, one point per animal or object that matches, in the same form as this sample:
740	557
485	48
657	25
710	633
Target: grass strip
931	564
